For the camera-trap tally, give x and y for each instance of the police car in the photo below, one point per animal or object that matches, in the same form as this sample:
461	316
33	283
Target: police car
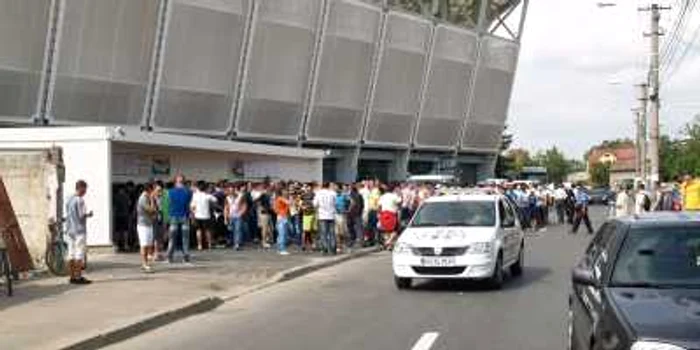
460	236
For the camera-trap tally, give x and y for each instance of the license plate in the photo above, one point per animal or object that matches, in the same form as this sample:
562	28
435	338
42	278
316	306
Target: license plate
438	262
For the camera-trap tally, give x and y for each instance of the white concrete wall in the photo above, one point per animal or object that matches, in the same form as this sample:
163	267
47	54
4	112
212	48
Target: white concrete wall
617	178
88	160
88	154
132	162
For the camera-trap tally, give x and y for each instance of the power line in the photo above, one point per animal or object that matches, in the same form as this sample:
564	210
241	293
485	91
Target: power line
675	27
672	65
679	40
672	72
676	41
679	27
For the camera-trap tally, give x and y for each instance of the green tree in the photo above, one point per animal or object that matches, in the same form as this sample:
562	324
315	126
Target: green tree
576	165
521	158
670	158
504	164
553	159
600	174
681	156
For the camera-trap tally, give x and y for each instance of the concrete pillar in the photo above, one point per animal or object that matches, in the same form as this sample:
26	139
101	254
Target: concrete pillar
398	170
486	170
346	165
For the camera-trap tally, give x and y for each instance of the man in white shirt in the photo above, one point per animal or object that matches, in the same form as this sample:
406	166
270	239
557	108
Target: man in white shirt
201	209
642	201
76	233
324	202
560	204
408	200
622	203
365	192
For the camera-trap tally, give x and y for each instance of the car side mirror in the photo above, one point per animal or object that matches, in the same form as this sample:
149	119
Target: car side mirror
584	276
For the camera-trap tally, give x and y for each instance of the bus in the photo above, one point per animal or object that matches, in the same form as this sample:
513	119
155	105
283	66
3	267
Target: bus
535	174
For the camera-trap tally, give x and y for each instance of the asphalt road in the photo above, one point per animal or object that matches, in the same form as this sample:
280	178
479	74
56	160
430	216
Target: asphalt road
356	306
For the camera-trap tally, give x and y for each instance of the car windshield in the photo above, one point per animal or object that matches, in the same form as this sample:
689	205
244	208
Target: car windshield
659	257
462	213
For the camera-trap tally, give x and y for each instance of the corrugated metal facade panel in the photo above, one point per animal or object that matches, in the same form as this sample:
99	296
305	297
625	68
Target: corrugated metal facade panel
204	40
492	90
105	67
345	71
446	103
280	64
104	61
397	97
21	56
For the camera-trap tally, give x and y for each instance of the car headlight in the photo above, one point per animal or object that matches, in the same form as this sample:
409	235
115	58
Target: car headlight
481	248
650	345
402	248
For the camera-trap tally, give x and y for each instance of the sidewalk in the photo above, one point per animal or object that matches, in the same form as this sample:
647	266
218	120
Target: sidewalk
51	314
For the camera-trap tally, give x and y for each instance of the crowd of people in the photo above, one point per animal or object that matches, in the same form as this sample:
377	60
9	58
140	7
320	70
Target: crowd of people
570	203
681	194
536	203
161	218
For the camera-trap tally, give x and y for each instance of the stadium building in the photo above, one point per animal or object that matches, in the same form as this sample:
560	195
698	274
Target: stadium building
370	88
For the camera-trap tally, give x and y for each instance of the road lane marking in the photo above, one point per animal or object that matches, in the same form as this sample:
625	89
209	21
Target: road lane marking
426	341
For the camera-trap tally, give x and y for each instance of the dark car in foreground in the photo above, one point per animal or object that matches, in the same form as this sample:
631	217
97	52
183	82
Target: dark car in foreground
638	286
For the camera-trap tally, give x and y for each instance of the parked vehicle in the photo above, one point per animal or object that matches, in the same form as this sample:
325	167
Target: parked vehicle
638	285
600	195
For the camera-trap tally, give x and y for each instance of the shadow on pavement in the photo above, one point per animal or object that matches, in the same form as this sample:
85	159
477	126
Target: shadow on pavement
530	276
28	293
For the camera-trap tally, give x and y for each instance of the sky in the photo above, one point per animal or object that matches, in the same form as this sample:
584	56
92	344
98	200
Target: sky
574	86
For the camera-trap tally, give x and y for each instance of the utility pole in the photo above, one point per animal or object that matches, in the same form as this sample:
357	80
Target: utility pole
637	142
654	107
642	131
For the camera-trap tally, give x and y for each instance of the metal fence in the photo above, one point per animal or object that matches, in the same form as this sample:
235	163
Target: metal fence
338	71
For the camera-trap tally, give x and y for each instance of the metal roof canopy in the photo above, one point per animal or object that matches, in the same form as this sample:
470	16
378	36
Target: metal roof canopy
137	136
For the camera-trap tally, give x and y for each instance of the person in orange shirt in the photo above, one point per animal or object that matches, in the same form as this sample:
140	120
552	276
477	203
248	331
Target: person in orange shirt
281	208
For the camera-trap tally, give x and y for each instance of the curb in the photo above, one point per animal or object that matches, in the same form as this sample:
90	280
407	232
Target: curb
159	319
199	306
296	272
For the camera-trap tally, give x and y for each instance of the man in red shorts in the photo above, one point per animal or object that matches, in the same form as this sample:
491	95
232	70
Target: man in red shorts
389	204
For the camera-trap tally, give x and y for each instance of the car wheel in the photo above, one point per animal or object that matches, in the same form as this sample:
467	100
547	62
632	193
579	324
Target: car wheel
402	283
496	280
517	268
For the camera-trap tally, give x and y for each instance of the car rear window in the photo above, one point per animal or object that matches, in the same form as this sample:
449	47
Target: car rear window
462	213
660	256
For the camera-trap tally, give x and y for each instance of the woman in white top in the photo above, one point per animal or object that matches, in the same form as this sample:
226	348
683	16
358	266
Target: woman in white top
389	204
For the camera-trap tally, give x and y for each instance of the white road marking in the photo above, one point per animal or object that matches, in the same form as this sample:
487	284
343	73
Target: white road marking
426	341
